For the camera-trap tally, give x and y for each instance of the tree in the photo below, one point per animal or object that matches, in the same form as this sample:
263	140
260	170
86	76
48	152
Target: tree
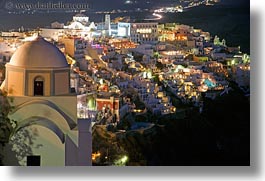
6	125
20	143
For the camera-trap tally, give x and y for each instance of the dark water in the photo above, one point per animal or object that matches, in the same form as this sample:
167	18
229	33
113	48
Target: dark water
229	20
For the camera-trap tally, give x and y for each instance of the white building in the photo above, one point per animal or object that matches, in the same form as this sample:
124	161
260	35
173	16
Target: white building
81	18
75	47
38	82
80	26
107	24
12	34
145	49
144	32
52	33
124	29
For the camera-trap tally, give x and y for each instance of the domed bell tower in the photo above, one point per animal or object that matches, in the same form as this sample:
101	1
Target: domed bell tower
37	68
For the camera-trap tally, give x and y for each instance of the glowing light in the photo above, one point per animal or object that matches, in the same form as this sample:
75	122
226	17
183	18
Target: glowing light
31	38
97	46
146	30
124	159
101	81
149	75
95	155
157	17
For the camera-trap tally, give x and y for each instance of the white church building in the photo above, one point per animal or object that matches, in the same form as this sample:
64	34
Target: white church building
79	26
38	85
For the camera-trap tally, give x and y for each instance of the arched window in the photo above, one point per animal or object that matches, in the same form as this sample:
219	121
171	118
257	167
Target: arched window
38	86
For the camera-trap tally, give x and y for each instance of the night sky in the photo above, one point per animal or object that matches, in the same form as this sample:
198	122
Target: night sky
234	15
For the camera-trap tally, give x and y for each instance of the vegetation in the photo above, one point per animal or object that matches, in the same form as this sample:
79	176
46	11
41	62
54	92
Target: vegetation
105	143
6	125
18	146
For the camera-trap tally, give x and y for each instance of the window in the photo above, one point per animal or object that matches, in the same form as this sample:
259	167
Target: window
38	86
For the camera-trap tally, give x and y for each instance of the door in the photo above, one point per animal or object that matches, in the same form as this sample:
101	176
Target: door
38	88
33	160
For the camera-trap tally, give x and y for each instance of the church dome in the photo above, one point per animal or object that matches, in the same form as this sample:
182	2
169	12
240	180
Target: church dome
38	53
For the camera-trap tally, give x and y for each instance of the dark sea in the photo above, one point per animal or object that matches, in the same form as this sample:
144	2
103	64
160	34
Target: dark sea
229	19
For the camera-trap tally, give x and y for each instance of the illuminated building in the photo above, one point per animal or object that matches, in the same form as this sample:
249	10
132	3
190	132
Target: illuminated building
80	26
124	29
165	35
122	44
38	82
75	47
107	24
144	32
110	105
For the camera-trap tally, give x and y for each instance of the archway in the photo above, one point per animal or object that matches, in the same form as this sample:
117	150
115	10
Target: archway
29	109
38	137
35	120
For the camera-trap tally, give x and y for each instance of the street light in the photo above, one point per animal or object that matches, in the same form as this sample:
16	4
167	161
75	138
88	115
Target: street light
124	159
